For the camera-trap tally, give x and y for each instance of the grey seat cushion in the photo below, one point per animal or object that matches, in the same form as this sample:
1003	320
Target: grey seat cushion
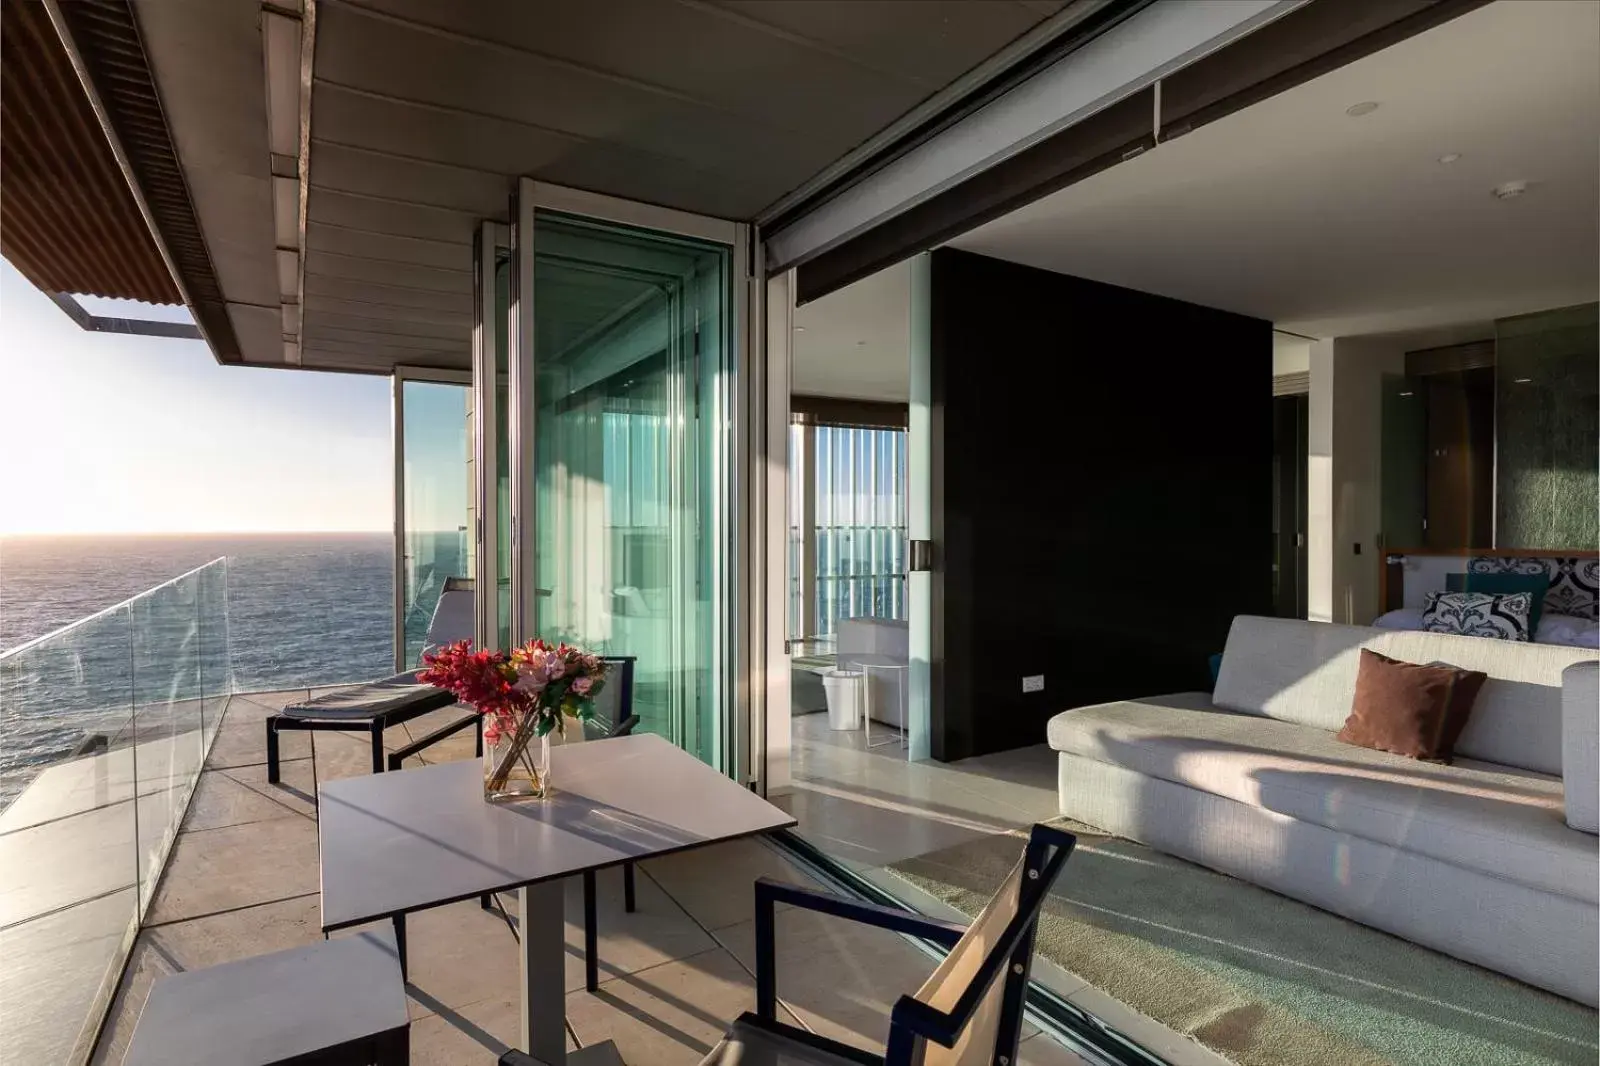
1495	819
400	693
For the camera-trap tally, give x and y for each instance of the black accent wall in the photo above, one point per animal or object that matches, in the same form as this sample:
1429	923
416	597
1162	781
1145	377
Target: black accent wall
1102	494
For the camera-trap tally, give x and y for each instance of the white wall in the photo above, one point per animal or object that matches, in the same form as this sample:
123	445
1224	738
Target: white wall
1319	485
1345	439
1290	354
1345	465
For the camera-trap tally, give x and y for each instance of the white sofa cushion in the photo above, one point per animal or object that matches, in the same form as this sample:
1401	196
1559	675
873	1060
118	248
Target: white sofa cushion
1580	745
1305	672
1497	820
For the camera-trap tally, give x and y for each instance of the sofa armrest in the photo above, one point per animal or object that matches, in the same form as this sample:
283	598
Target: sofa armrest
1580	744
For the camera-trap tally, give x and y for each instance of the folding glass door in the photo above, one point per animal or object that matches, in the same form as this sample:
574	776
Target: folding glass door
433	498
621	409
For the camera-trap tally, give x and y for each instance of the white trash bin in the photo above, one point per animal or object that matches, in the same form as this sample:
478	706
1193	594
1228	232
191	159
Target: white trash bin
842	689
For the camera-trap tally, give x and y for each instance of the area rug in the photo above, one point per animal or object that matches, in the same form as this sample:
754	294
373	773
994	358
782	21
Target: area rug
1261	979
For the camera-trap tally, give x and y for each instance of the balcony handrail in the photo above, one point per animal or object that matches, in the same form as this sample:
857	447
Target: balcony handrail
104	611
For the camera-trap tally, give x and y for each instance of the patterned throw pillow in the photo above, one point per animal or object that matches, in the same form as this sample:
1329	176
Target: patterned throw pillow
1478	614
1574	583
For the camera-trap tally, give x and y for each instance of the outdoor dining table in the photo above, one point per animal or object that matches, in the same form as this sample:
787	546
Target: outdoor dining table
396	843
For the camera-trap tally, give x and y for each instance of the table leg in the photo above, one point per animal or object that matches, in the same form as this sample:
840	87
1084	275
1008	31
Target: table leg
865	705
540	916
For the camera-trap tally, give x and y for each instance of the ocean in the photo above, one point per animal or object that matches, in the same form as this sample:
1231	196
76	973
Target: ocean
304	610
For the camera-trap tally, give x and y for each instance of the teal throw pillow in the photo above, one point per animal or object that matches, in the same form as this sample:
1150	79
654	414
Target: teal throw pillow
1536	585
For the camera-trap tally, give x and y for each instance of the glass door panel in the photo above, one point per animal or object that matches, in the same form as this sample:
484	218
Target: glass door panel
491	426
436	503
631	356
502	470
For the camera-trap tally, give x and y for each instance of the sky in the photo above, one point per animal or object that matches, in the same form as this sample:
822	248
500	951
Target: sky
103	433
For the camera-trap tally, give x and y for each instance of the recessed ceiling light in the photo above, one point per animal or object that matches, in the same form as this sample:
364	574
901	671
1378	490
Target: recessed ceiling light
1510	190
1521	381
799	329
1365	107
1449	157
1408	394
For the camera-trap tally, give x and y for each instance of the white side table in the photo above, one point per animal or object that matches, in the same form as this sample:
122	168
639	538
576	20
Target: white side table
899	669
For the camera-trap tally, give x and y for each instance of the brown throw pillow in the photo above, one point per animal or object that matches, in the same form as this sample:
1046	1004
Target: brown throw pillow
1462	694
1409	709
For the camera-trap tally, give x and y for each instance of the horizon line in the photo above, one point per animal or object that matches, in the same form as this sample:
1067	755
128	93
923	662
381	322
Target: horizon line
202	532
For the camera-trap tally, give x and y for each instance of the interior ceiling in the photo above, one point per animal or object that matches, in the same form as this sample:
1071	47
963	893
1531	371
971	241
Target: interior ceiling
1332	225
856	342
424	114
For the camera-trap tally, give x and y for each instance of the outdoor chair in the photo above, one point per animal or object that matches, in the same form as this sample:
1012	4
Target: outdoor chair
377	705
614	717
968	1013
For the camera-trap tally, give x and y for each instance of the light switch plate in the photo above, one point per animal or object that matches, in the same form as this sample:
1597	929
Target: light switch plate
1033	683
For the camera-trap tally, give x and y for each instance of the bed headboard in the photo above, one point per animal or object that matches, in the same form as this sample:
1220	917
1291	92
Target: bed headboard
1408	576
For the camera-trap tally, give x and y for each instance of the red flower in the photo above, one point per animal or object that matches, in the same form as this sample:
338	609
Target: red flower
485	680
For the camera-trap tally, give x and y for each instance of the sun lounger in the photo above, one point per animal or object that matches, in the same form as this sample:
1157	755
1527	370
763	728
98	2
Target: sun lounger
377	705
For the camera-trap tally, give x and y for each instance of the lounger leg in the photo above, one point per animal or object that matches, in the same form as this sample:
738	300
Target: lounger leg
272	751
627	887
400	940
486	901
591	937
377	747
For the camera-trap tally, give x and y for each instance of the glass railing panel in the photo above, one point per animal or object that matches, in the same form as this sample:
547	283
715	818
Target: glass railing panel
69	901
216	664
168	720
104	729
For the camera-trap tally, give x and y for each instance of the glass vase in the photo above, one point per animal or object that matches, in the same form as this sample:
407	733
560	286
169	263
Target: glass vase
516	768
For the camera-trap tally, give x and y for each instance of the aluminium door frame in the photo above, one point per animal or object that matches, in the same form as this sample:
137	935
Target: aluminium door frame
397	431
488	239
741	747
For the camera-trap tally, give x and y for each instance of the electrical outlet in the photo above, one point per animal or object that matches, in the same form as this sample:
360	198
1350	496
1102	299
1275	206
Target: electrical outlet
1033	683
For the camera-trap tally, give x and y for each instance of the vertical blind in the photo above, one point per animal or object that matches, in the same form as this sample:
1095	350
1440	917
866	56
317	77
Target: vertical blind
858	476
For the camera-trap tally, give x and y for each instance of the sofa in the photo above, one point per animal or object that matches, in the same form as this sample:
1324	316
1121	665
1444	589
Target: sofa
1493	859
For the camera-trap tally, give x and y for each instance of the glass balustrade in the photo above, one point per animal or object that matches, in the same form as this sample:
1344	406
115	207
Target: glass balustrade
104	728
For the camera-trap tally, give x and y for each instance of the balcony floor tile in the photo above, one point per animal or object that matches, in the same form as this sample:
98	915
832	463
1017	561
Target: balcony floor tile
216	870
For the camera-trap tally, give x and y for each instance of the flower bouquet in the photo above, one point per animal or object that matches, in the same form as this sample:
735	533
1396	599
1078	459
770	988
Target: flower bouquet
523	696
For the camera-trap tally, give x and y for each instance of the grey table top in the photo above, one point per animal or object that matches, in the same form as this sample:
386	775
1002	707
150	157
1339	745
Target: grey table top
273	1008
398	842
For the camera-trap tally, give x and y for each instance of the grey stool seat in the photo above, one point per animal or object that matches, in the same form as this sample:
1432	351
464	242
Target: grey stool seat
336	1001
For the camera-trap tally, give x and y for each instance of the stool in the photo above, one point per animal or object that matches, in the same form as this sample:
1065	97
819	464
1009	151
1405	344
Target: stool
334	1002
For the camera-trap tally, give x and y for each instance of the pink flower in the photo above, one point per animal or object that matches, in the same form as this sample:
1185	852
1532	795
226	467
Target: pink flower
583	685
